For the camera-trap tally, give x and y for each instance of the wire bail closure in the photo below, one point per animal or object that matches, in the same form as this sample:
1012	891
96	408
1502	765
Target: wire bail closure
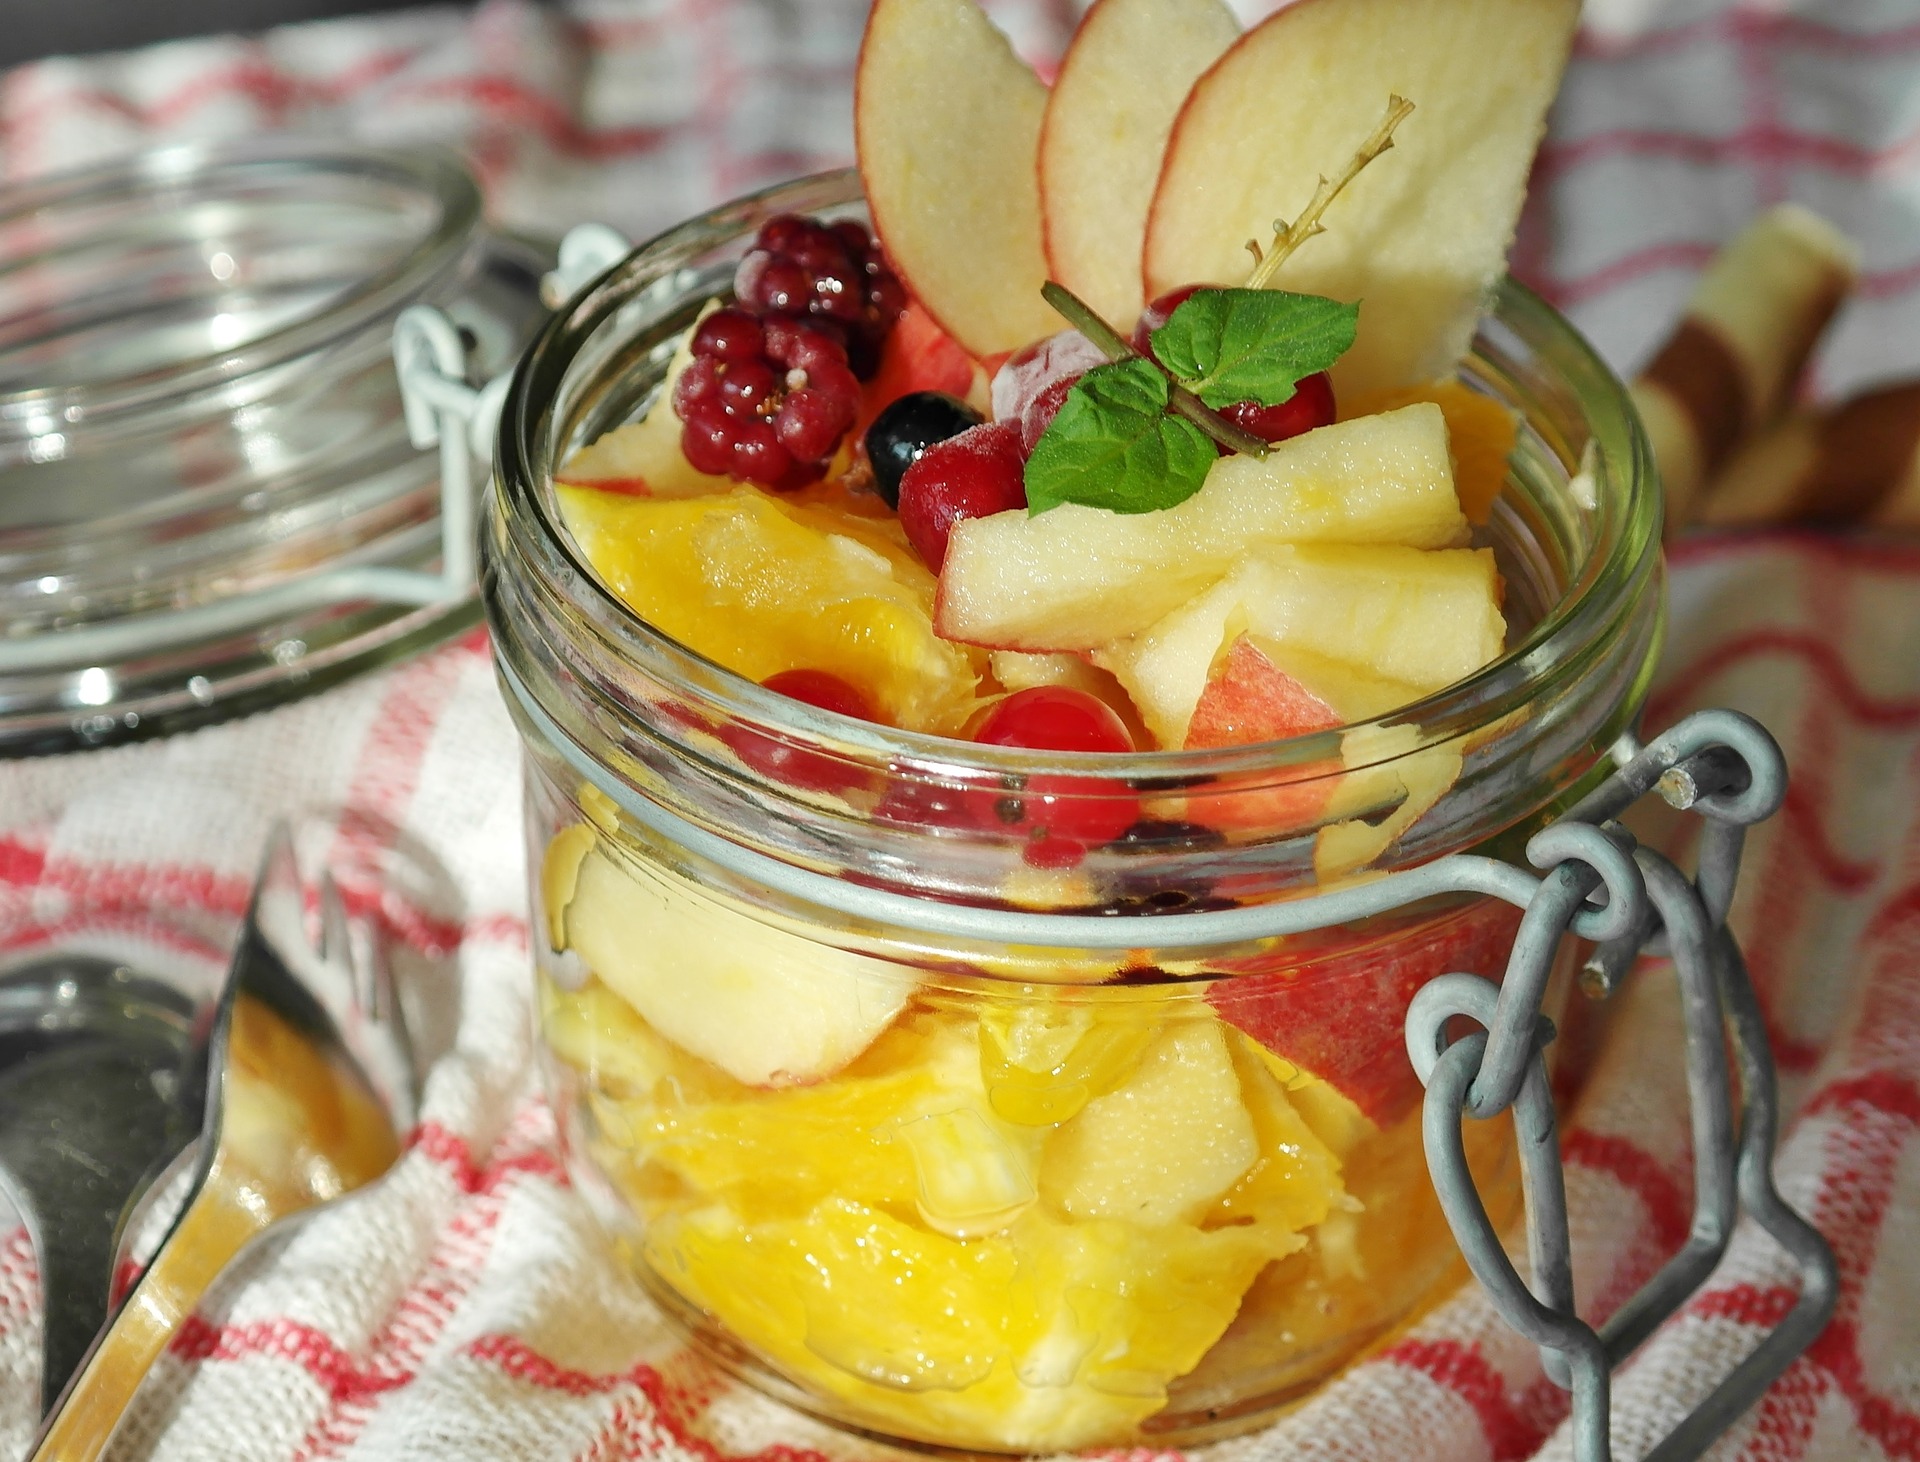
1726	768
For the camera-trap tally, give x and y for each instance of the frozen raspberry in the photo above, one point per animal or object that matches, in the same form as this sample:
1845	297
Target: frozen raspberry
1019	384
766	399
832	274
973	475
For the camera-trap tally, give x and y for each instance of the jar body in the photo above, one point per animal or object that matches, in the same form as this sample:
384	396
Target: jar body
938	1204
953	1148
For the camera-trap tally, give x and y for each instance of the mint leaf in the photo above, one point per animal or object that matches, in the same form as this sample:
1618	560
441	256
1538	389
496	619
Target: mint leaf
1113	445
1229	345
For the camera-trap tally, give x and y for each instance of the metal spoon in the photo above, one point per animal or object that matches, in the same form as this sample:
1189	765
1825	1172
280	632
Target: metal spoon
301	1109
95	1071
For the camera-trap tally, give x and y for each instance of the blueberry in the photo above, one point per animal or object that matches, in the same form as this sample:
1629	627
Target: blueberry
906	429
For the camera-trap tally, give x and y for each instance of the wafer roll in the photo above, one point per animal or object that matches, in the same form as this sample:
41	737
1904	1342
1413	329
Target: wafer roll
1857	462
1731	365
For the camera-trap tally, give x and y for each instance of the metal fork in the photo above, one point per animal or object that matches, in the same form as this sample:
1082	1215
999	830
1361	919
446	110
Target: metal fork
309	1088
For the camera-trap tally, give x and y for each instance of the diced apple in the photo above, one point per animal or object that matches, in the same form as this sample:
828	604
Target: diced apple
1153	1151
1263	689
1481	431
643	458
1386	768
1425	619
1420	236
1077	577
768	1007
947	126
1341	1018
1126	72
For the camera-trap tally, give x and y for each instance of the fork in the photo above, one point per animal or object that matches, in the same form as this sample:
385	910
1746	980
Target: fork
309	1087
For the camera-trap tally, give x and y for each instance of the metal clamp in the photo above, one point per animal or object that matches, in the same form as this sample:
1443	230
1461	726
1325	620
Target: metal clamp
441	409
1726	768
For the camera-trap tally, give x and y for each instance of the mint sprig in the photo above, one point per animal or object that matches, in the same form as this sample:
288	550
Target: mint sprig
1113	445
1137	435
1228	345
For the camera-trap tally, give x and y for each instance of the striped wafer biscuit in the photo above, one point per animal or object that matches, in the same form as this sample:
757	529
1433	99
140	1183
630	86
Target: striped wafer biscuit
1855	462
1730	366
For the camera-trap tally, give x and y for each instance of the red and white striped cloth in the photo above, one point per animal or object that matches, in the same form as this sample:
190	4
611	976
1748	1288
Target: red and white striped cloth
464	1308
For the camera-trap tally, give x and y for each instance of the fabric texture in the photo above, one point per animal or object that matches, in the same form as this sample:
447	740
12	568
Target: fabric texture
465	1307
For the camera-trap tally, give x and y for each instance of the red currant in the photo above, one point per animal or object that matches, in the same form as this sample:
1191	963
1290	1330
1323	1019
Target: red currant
1158	313
1063	816
980	472
796	766
1310	407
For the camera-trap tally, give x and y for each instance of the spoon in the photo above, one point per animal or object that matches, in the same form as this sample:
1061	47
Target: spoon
95	1078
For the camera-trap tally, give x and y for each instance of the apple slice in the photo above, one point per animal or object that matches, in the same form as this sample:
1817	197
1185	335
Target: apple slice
1422	235
1341	1018
1126	72
946	121
1263	690
1481	430
1078	577
1387	769
766	1006
643	458
1425	619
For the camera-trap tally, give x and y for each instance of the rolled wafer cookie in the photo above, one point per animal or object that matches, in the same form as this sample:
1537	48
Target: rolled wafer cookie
1730	366
1855	462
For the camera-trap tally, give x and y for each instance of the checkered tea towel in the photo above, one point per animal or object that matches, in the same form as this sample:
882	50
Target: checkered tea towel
465	1308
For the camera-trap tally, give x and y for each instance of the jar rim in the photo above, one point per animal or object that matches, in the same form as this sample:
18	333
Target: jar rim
434	173
1618	465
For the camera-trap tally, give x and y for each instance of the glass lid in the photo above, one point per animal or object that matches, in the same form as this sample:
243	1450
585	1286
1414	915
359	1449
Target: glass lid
207	481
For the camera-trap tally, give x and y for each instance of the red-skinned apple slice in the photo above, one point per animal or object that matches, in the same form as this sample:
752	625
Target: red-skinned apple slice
946	120
1121	83
1425	619
1077	577
1263	690
1422	235
1341	1018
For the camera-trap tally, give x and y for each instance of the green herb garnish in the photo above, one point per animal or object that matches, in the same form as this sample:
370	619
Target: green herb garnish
1114	445
1228	345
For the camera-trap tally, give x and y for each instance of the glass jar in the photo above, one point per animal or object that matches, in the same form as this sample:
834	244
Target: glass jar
198	411
956	1145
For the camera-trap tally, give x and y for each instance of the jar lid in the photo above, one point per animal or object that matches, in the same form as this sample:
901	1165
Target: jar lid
201	423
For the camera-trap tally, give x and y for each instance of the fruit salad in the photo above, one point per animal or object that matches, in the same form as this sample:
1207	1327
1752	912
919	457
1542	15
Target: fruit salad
1126	420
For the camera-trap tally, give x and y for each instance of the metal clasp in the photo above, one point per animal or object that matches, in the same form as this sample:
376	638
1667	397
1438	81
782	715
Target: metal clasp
1630	899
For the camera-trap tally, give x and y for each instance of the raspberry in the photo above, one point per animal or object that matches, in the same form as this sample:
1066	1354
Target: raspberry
833	275
766	399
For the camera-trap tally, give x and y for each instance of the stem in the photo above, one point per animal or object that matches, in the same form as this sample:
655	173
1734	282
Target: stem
1289	236
1182	402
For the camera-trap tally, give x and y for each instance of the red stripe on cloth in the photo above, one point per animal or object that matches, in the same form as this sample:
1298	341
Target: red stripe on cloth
317	1354
1669	1210
1895	1427
1836	678
512	102
1808	32
522	1362
1462	1369
1889	1093
1853	553
106	888
1757	145
1572	290
453	1152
